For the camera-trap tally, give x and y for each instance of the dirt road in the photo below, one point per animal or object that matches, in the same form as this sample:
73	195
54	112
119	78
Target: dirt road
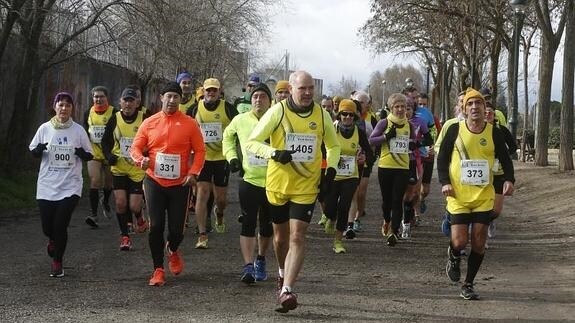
528	273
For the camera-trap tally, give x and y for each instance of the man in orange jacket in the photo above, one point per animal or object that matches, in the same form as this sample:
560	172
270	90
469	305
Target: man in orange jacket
169	138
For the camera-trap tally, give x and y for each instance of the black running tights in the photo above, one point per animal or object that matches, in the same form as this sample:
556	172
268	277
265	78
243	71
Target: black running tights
55	216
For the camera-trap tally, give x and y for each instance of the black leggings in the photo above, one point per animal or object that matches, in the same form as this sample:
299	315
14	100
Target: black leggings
253	200
338	201
55	216
393	183
160	200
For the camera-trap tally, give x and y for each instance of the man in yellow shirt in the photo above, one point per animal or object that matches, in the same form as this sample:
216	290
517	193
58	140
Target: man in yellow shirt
295	128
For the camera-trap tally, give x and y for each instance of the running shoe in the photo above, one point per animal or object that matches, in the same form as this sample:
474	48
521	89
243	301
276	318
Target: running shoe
202	242
406	231
260	270
142	225
329	227
468	293
287	301
175	261
322	220
452	268
357	225
157	278
417	220
248	274
391	240
385	229
492	230
57	269
422	207
106	210
221	228
241	217
51	248
338	246
92	221
349	233
125	243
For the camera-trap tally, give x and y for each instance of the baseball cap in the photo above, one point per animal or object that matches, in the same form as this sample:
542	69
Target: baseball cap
129	93
254	79
211	83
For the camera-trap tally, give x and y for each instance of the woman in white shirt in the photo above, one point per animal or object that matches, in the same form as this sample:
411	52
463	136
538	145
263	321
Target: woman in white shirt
62	145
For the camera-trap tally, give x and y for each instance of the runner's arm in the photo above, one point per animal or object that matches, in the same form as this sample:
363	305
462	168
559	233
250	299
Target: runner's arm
377	136
229	141
444	155
332	146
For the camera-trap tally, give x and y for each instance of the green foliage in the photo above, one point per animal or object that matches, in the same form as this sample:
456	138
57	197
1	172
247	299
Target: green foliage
18	191
555	138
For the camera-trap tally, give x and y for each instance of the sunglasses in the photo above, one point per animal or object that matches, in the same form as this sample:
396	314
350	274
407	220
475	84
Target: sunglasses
346	114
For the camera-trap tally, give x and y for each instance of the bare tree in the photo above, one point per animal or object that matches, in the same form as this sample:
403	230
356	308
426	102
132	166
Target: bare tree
566	139
550	40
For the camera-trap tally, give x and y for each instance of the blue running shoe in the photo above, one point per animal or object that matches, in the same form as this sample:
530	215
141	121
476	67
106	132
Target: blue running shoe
260	270
248	274
446	225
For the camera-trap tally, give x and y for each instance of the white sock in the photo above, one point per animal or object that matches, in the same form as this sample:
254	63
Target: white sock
281	273
286	289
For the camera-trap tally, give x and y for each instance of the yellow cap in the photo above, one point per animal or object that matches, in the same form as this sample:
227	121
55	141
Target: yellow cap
282	85
211	83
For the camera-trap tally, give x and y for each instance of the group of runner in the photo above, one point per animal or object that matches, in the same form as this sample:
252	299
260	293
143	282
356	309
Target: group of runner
289	151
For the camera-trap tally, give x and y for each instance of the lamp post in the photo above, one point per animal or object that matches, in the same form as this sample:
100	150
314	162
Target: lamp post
383	94
443	93
408	82
519	10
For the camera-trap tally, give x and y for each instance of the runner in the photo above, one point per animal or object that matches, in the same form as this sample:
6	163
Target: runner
187	84
466	158
498	177
243	104
95	120
62	145
169	138
213	114
282	91
253	200
393	135
127	177
295	127
355	152
327	105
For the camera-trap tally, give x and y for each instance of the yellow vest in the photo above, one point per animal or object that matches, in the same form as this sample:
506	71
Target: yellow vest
213	124
185	106
124	134
472	147
303	134
395	152
348	157
96	126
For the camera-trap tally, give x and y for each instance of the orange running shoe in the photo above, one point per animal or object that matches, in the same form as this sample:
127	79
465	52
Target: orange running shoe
175	262
142	225
157	278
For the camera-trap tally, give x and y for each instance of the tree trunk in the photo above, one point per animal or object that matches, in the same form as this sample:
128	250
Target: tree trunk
525	98
494	68
566	138
510	88
546	64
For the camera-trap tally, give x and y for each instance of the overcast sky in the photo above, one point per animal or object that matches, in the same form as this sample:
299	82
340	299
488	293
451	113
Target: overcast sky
321	37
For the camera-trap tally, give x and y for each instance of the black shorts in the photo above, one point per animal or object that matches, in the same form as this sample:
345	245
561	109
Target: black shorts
473	217
498	181
427	170
283	213
126	184
216	171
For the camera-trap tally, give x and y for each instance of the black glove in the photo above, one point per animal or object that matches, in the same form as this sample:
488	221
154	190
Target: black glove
84	155
235	165
37	152
390	133
112	160
282	156
412	145
327	181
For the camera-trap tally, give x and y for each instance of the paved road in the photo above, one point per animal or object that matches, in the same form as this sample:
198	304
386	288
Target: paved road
527	275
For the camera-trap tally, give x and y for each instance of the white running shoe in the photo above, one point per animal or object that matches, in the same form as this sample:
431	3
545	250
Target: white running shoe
492	230
406	231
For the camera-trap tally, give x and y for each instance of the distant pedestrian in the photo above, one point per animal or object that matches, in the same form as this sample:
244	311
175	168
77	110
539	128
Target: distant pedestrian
62	145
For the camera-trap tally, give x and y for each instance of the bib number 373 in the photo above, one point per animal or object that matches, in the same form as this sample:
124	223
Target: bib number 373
474	172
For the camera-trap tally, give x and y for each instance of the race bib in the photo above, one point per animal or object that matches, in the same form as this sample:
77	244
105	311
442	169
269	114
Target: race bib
474	172
399	144
212	131
303	146
256	161
346	165
61	156
167	166
96	133
125	144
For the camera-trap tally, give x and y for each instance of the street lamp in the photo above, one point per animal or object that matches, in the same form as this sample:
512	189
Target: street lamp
383	94
519	13
408	82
